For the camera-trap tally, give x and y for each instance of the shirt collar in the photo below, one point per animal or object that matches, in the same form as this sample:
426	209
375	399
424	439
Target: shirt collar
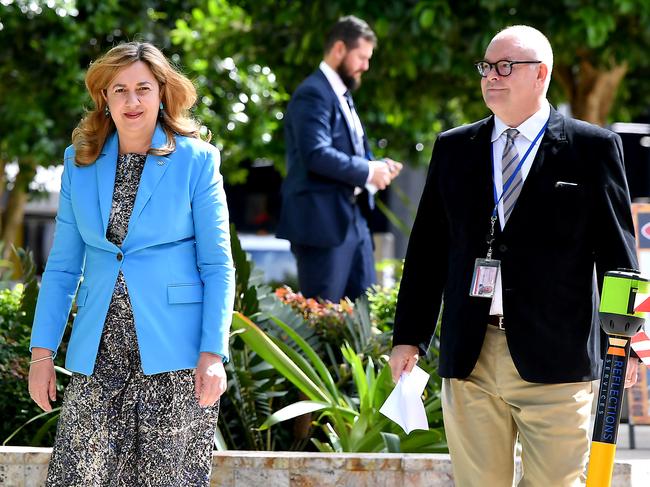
334	79
530	128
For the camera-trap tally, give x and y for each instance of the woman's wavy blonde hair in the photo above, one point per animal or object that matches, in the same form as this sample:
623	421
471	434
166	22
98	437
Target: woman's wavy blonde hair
177	92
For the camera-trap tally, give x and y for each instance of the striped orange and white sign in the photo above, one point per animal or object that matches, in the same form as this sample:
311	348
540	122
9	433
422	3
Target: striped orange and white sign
642	303
641	345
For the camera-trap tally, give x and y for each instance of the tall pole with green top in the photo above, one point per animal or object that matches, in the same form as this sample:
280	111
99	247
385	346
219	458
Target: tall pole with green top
620	322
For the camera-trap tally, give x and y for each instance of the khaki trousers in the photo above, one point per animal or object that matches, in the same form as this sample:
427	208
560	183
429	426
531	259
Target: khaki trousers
484	413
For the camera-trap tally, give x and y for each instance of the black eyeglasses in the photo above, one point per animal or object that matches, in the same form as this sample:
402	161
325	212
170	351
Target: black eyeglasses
503	67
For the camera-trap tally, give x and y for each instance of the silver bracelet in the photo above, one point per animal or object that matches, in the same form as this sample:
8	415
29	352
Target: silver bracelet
41	359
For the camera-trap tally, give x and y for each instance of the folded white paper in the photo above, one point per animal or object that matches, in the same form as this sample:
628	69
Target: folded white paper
404	405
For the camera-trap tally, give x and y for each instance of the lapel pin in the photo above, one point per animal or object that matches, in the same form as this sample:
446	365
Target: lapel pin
161	162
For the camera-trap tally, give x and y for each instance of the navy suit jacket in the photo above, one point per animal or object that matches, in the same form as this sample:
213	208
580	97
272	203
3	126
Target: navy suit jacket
555	237
322	168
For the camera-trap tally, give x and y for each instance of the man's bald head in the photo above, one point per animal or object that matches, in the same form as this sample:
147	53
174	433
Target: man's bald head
532	40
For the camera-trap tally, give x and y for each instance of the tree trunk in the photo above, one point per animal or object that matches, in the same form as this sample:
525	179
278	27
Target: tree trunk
591	90
15	210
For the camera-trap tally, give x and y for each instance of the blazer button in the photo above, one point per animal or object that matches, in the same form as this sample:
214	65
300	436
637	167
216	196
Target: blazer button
120	256
503	248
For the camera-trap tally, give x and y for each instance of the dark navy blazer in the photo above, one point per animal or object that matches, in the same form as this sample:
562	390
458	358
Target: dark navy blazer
322	168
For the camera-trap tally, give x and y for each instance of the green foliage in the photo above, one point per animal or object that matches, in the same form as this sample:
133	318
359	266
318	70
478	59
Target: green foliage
246	300
241	101
16	405
46	49
6	267
350	423
36	114
254	387
301	339
421	79
246	57
325	326
13	336
27	269
382	303
22	422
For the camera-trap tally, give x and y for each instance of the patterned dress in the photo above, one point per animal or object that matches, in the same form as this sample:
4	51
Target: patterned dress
119	427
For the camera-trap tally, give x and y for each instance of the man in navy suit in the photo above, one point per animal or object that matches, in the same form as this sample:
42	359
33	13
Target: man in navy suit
331	175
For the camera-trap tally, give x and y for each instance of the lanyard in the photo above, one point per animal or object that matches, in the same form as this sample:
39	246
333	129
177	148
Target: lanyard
506	185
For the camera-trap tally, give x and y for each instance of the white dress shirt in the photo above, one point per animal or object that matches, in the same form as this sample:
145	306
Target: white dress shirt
527	133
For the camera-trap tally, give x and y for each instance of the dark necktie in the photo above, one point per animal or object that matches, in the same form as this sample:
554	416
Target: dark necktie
357	139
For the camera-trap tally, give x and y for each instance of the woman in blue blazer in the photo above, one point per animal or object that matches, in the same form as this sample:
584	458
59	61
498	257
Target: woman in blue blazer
142	241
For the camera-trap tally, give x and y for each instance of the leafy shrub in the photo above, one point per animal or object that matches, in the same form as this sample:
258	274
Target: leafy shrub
16	407
327	319
342	348
347	422
382	302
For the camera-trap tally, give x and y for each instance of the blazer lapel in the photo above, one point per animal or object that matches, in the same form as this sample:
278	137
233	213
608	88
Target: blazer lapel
106	165
553	140
154	169
337	103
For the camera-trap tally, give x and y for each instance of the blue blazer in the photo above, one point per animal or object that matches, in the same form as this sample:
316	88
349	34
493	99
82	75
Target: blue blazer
175	259
322	168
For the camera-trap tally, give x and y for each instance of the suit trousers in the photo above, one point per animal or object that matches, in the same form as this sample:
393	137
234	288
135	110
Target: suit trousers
484	413
347	269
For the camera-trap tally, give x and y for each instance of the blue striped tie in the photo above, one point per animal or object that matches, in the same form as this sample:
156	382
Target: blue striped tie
509	162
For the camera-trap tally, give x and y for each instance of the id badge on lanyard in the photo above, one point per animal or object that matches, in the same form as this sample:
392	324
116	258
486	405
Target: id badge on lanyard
484	279
486	270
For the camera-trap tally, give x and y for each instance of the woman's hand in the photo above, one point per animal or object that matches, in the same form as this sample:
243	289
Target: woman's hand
210	379
42	379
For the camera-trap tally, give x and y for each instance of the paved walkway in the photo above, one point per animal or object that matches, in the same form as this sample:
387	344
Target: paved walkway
642	437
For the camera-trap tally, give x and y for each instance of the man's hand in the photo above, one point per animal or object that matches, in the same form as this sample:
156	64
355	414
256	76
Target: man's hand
381	176
384	171
402	359
42	379
210	380
394	167
632	373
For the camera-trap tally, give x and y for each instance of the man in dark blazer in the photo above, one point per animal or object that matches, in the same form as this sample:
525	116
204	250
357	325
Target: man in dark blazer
519	362
331	177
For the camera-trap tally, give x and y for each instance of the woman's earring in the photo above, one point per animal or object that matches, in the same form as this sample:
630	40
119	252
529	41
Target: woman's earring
107	111
161	112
